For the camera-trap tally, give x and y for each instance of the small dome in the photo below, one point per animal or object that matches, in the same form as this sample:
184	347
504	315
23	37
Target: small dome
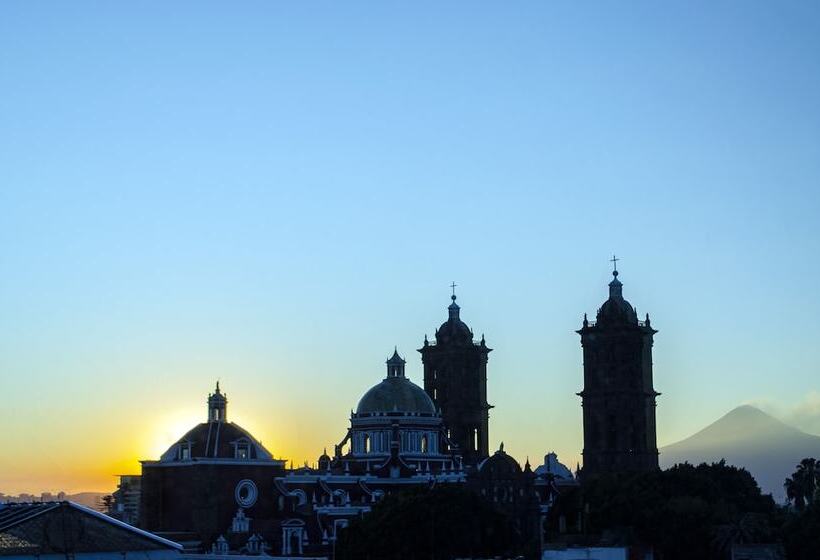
396	394
616	310
499	464
454	330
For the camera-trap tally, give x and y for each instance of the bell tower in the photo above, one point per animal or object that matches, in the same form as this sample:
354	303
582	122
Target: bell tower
455	377
618	398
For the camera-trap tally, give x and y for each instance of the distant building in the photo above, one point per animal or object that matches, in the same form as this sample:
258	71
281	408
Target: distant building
618	398
125	501
60	530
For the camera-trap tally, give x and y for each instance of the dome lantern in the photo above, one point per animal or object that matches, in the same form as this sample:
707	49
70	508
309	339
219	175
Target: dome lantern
395	365
217	406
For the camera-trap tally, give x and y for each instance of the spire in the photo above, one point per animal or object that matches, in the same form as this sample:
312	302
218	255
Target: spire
454	308
395	365
615	287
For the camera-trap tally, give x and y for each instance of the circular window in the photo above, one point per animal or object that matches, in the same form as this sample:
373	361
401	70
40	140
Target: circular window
246	493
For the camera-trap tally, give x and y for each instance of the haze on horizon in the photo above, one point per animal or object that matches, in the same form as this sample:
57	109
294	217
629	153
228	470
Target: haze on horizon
275	196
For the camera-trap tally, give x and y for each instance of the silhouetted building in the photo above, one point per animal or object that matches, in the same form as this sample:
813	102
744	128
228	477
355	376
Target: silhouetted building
125	504
618	398
218	491
455	377
513	491
214	474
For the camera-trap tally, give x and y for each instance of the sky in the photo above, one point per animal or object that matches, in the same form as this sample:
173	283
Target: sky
276	194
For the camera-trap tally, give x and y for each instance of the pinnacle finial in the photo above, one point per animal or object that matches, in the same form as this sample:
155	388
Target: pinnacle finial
614	260
453	286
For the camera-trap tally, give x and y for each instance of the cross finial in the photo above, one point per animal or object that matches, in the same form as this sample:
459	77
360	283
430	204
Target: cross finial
614	260
454	286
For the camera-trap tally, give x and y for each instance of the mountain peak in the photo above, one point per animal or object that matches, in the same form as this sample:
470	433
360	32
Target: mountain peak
743	423
749	437
750	413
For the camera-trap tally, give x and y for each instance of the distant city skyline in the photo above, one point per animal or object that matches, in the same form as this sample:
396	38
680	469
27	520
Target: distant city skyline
276	196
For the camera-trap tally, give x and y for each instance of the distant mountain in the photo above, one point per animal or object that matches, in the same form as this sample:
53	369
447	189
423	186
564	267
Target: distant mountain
748	437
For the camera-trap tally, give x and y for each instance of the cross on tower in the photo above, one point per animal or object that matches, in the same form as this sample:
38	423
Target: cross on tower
614	260
453	286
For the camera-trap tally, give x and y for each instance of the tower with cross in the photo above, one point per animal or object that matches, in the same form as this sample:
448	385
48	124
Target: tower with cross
455	377
618	397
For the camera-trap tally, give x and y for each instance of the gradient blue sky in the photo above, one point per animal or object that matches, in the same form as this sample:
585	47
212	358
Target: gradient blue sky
275	194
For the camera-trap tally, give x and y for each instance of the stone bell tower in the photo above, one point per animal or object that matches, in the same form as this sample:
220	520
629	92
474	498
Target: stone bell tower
455	377
618	398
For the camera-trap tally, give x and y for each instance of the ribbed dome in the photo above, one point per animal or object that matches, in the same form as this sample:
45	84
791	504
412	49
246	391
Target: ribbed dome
217	440
396	394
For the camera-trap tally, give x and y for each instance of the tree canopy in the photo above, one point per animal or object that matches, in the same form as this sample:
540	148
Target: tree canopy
440	523
686	511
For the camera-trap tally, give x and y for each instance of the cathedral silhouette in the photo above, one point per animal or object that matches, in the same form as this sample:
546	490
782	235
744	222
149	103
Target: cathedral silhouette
218	490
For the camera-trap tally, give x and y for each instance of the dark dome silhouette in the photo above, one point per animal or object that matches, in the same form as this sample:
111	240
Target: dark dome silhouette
217	440
454	330
499	464
616	309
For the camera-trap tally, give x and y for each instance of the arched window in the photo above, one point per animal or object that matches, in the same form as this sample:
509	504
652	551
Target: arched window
424	443
475	439
366	443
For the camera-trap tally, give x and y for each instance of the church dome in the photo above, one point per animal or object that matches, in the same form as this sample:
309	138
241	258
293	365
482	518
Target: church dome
217	438
454	330
499	464
396	394
616	310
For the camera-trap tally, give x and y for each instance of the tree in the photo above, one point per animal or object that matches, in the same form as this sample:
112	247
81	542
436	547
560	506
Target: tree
440	523
106	504
802	486
801	530
684	512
